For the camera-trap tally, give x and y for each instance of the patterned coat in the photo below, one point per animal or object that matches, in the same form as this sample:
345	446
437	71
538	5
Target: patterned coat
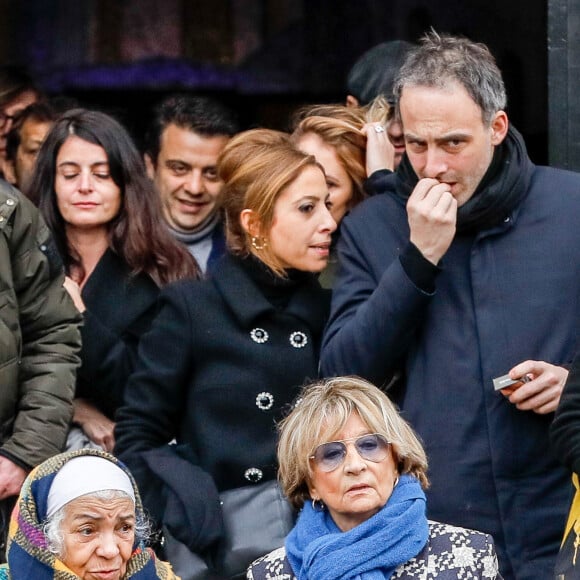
450	553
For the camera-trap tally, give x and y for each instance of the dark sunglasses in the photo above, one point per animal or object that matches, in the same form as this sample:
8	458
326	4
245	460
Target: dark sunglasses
328	456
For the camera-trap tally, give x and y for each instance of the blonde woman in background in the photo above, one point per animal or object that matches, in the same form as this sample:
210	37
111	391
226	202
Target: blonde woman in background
351	144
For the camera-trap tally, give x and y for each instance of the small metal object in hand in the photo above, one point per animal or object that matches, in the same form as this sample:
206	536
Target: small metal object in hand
505	381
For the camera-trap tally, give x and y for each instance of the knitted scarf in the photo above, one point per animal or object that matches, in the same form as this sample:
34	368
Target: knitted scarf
318	550
27	551
202	231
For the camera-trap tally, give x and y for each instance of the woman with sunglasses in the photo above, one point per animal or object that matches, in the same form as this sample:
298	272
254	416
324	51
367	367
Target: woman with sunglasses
357	472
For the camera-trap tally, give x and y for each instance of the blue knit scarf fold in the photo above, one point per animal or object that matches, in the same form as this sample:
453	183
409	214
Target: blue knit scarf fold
316	548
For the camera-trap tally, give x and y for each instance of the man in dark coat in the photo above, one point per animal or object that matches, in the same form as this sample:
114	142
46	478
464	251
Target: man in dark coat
467	269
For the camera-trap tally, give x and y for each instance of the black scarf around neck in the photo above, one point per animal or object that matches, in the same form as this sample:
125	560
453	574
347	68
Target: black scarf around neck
501	189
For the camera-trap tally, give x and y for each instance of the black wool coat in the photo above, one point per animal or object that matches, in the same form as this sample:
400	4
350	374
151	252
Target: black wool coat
217	370
565	429
120	308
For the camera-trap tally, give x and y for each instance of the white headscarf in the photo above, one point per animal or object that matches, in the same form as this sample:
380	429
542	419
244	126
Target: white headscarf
85	475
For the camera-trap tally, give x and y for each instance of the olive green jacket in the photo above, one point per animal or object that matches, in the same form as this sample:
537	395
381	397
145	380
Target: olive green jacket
39	336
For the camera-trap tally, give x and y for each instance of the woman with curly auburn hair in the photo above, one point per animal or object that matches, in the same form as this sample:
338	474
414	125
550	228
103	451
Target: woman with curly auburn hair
105	217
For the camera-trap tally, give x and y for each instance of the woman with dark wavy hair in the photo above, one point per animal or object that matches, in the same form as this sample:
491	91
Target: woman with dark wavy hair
91	185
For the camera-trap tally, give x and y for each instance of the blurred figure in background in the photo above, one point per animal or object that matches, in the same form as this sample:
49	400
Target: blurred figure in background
565	437
23	143
182	148
17	91
374	74
104	214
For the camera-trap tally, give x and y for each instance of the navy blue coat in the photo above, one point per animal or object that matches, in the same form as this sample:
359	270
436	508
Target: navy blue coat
504	295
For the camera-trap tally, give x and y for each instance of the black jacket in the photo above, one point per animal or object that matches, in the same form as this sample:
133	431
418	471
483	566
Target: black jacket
565	429
219	367
120	308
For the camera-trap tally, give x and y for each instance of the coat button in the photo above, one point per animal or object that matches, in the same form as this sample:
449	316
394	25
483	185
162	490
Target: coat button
9	202
298	339
265	401
253	474
259	335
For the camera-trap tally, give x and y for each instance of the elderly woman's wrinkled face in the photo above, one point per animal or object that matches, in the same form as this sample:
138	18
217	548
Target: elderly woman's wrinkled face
357	488
98	537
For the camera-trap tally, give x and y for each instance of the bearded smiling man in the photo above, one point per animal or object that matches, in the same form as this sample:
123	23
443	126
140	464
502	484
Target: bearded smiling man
467	269
183	145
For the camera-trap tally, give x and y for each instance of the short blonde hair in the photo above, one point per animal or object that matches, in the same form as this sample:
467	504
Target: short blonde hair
341	128
320	412
256	166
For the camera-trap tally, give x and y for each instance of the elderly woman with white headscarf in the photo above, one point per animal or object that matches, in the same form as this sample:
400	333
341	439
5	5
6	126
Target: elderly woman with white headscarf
79	516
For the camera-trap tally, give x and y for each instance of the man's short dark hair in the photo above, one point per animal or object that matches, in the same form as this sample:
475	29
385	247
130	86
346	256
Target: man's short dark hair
374	73
201	115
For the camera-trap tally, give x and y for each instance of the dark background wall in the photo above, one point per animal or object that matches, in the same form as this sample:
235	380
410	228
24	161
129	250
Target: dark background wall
265	57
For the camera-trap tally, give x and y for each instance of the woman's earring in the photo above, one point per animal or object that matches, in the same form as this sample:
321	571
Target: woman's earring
320	507
396	481
259	243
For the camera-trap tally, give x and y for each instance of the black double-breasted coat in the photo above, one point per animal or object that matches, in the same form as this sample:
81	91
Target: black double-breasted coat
217	370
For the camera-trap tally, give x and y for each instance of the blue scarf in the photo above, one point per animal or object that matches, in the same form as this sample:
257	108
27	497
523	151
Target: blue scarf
316	548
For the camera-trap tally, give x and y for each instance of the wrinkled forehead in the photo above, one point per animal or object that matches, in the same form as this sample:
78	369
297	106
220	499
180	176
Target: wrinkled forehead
440	100
107	500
